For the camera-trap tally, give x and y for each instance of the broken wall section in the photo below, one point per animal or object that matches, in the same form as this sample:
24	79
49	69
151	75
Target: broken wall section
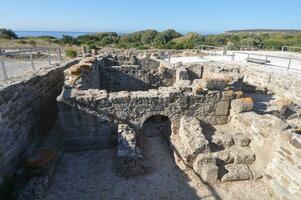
27	110
277	148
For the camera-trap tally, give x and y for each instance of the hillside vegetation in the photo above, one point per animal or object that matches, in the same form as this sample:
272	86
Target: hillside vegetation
168	39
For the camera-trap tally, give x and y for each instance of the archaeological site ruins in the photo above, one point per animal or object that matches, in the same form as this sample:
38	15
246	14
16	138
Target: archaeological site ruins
127	124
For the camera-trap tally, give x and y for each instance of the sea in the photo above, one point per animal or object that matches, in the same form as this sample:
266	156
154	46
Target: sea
57	34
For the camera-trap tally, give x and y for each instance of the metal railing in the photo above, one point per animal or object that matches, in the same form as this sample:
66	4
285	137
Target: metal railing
266	58
25	56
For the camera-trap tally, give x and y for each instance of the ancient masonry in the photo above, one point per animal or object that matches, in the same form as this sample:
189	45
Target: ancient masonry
103	101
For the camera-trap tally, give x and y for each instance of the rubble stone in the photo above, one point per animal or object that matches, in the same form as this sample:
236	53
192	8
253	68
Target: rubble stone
242	105
237	172
191	135
241	140
205	166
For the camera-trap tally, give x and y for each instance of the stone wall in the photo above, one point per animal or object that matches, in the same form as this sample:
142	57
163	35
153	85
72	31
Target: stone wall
27	110
135	107
277	149
136	75
284	84
129	106
85	131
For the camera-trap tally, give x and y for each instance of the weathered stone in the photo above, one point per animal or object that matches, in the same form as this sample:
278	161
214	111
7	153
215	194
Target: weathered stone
242	155
197	86
223	157
215	83
182	74
241	140
295	143
242	105
239	94
129	157
191	135
31	109
222	108
223	140
237	172
205	167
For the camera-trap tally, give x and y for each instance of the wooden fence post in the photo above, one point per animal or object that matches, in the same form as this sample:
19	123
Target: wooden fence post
3	68
31	60
49	61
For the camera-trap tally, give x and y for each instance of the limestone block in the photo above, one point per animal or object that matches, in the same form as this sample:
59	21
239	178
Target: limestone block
239	94
241	140
222	108
181	151
228	95
205	166
237	172
215	83
223	157
223	140
242	105
242	155
191	135
280	103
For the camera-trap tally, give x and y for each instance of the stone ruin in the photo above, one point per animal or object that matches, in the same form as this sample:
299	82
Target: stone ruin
112	96
216	125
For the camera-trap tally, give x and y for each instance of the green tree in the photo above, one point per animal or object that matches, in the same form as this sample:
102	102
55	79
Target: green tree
66	39
8	34
148	36
166	36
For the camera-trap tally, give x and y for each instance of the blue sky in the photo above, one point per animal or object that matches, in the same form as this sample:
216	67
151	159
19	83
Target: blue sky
131	15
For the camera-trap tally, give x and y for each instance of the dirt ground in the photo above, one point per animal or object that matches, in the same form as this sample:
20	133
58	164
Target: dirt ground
91	175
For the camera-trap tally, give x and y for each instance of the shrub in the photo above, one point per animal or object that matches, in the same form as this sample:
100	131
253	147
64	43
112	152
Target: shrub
108	40
32	43
142	47
66	39
21	42
148	36
8	34
166	36
71	53
46	37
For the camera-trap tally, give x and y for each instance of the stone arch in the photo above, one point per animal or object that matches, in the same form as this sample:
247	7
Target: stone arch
153	113
157	125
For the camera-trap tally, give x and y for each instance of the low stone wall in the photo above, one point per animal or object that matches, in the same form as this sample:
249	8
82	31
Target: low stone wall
284	84
27	110
277	150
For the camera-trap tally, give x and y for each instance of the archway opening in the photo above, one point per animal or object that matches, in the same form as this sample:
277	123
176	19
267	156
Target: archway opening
157	125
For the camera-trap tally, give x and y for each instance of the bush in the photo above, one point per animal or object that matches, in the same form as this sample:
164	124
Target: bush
71	53
142	47
66	39
8	34
21	42
46	37
166	36
148	36
32	43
